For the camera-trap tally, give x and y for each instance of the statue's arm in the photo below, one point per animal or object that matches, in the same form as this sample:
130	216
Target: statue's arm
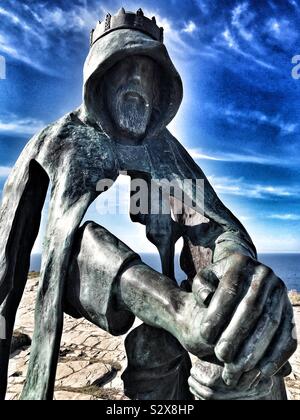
224	233
249	319
229	243
57	156
109	285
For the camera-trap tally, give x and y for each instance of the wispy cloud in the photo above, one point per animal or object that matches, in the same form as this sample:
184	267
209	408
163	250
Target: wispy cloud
26	126
285	217
238	187
174	39
295	5
204	6
28	33
241	19
235	31
13	18
13	51
248	157
229	40
77	19
256	33
29	30
246	117
239	36
190	27
282	30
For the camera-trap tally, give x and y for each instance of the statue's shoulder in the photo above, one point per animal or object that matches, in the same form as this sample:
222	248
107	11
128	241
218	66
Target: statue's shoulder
69	133
73	141
171	139
56	129
63	127
174	143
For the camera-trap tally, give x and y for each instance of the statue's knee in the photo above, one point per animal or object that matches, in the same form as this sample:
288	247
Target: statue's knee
96	261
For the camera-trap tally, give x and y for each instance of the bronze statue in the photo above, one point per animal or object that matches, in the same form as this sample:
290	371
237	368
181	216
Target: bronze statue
233	313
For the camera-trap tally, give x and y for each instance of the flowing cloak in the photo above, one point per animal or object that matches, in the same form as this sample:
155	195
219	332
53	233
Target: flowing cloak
71	156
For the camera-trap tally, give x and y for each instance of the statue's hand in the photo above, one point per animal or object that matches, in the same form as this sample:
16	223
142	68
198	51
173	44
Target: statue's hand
206	384
188	319
249	319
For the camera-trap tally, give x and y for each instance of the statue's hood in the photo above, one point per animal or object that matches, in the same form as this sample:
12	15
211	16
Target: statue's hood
115	46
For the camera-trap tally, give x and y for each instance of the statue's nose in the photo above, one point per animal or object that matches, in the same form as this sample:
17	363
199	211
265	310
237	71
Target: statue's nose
136	79
137	72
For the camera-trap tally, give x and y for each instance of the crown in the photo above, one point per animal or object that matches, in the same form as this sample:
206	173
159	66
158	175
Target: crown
127	20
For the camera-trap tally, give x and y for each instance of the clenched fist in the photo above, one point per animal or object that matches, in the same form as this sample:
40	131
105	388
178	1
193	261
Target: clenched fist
239	314
249	319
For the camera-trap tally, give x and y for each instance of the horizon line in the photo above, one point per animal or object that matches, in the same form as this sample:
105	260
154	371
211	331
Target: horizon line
178	253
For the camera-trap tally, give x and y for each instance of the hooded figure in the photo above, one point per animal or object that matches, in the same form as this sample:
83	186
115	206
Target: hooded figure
81	266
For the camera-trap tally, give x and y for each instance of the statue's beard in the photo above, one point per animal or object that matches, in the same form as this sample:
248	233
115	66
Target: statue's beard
132	111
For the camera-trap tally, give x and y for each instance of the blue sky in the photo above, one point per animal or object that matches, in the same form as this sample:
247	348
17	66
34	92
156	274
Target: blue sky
240	118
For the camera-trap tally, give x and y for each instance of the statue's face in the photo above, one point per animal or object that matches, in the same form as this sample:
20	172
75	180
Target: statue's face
129	95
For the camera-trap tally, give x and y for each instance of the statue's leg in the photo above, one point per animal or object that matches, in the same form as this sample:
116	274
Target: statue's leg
21	241
158	366
97	258
161	230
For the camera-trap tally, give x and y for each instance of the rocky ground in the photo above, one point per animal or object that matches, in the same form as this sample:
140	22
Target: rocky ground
91	361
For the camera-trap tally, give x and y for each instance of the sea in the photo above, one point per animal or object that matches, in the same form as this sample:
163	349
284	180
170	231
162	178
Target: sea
286	266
